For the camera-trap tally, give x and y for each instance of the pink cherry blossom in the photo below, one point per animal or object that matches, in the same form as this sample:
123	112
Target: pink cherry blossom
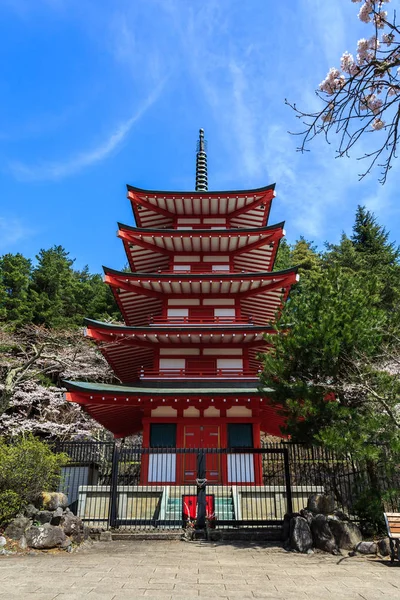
378	124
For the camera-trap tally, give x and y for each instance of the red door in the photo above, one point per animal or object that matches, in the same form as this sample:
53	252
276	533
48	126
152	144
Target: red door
201	436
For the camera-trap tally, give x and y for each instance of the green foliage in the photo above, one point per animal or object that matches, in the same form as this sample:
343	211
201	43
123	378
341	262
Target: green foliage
28	467
10	505
51	293
369	509
334	367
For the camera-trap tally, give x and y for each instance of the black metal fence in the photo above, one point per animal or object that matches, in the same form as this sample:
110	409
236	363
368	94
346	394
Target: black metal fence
124	486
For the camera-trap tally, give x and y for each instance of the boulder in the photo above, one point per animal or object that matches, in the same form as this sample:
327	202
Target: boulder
71	524
54	500
47	536
321	504
367	548
286	525
16	529
339	514
307	515
322	536
31	511
384	547
347	535
3	541
300	535
57	516
43	516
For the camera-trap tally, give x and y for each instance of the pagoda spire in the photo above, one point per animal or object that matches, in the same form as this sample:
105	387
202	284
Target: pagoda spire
201	164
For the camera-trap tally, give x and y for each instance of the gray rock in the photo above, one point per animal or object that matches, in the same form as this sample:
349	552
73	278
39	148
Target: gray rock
3	541
46	536
16	529
300	535
321	504
57	516
307	515
43	516
339	514
367	548
384	547
53	500
347	535
71	524
322	536
286	525
106	536
31	511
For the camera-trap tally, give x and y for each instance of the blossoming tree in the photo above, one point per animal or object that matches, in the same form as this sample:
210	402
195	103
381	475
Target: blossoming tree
362	96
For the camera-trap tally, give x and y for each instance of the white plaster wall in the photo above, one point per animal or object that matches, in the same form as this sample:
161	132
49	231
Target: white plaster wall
229	363
239	411
224	312
172	363
164	411
223	351
218	302
179	351
192	411
178	312
188	302
211	411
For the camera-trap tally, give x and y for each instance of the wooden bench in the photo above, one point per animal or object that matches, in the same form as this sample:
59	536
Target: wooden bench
393	529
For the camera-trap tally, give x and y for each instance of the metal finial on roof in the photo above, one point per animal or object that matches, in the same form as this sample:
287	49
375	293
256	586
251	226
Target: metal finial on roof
201	163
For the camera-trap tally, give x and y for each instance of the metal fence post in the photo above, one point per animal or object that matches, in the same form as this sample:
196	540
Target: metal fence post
288	482
201	482
112	519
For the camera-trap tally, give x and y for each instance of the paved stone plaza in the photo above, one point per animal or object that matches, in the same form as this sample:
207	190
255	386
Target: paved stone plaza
173	569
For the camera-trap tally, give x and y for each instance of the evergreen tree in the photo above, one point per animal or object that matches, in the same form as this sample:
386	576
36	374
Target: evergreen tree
15	273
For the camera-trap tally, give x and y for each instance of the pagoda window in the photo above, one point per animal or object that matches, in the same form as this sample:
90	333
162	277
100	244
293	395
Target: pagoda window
163	435
220	267
181	267
240	435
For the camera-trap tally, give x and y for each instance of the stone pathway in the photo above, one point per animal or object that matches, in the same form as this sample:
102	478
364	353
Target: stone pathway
168	570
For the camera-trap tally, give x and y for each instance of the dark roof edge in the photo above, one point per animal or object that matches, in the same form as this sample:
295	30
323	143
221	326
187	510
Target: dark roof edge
204	231
179	275
111	388
115	326
202	193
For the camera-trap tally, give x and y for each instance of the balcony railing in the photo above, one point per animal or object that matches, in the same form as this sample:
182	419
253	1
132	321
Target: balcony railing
199	374
200	321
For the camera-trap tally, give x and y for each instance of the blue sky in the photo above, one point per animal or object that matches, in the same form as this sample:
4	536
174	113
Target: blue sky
95	94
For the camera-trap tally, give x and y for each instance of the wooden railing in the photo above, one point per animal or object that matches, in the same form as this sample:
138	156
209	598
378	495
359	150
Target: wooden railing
199	374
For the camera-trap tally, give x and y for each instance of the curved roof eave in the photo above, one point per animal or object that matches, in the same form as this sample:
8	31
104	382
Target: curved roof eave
170	328
201	193
200	276
179	232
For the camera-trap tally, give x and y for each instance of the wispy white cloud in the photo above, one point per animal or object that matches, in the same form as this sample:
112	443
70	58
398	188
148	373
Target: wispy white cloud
64	168
12	230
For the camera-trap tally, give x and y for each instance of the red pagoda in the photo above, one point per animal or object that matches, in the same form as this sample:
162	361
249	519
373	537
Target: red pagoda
199	298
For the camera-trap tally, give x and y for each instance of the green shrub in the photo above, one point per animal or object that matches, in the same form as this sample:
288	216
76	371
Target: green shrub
28	467
369	509
10	505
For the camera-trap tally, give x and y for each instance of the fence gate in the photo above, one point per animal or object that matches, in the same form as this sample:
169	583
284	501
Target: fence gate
127	487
